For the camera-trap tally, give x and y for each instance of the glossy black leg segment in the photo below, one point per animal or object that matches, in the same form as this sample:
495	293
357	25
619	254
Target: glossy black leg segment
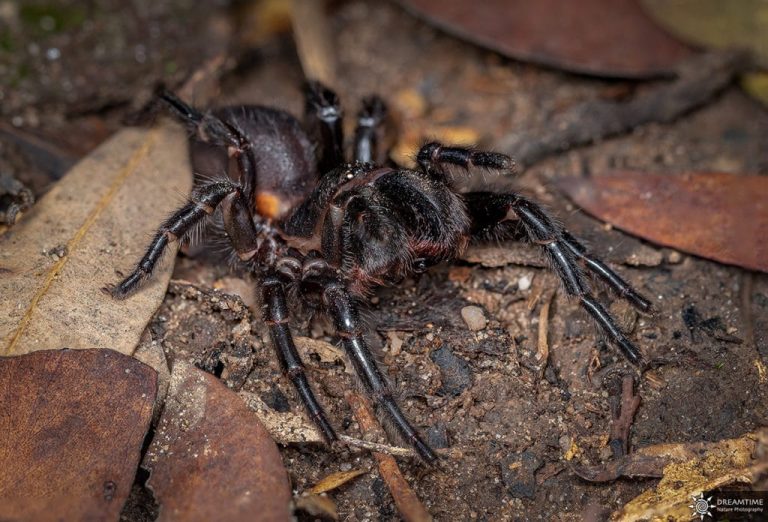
432	158
323	119
491	213
346	319
205	126
180	225
276	317
370	130
610	277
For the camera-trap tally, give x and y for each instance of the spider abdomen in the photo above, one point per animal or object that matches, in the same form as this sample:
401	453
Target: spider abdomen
280	150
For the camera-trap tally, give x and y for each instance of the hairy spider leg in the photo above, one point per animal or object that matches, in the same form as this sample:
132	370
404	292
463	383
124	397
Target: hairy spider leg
276	317
434	156
214	131
323	120
611	278
346	319
369	133
179	225
490	211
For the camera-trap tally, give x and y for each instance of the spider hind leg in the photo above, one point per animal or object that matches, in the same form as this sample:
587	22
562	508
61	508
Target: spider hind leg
492	214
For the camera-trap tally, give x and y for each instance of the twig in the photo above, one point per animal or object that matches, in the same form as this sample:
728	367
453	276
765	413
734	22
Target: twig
699	79
622	419
377	447
408	504
395	451
542	352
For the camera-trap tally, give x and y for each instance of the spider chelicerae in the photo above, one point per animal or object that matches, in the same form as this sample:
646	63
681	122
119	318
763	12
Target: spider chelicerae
302	218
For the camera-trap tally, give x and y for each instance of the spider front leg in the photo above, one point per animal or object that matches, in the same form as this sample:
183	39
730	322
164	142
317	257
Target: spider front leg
494	215
276	317
323	119
370	131
346	319
179	226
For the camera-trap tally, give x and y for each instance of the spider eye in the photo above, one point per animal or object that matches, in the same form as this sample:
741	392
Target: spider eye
420	265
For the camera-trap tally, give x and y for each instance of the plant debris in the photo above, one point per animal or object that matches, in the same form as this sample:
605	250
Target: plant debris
102	211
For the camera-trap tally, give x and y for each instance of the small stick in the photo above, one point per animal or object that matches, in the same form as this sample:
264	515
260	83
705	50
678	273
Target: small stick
622	420
542	352
395	451
408	504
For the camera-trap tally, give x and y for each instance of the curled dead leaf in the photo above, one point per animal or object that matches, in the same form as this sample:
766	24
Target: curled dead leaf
334	480
561	33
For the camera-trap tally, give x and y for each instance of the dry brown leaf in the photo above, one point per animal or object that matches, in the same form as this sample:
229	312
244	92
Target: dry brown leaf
314	42
603	37
334	480
708	466
211	458
96	220
72	427
714	215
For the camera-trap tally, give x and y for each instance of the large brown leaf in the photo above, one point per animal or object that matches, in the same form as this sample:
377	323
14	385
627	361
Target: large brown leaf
211	458
603	37
719	216
72	426
96	220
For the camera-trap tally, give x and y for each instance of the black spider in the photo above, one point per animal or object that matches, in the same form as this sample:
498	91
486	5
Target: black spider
299	216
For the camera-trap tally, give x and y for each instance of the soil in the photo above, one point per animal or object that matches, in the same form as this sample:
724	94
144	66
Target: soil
518	424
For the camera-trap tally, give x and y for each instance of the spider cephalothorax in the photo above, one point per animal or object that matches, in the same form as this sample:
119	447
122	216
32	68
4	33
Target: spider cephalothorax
298	215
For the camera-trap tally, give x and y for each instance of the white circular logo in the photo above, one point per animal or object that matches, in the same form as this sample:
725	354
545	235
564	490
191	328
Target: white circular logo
701	506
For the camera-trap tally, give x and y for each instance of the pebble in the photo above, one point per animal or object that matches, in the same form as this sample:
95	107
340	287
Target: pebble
674	257
518	471
474	317
524	283
455	373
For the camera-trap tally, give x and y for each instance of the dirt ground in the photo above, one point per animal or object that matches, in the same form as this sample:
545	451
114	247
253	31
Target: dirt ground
482	392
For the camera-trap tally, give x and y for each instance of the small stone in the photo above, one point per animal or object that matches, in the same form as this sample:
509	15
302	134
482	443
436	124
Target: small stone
524	283
674	257
395	343
474	317
455	373
518	472
437	436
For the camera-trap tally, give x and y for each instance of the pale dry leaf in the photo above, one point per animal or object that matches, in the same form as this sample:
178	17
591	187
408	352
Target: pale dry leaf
327	352
98	219
334	480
